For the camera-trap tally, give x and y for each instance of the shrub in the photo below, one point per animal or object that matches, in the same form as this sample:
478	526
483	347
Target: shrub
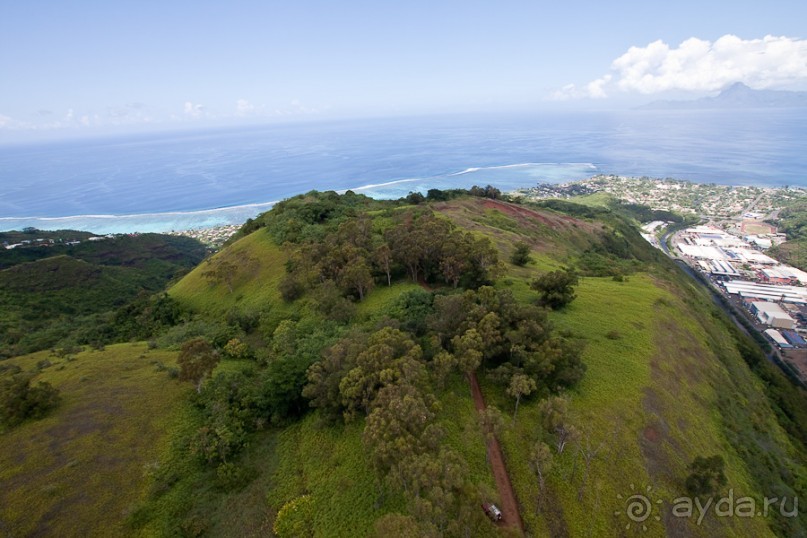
217	333
236	349
20	401
706	476
556	288
196	361
295	518
232	477
291	288
521	254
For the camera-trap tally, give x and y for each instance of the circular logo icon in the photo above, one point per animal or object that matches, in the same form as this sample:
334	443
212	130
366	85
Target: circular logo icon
639	507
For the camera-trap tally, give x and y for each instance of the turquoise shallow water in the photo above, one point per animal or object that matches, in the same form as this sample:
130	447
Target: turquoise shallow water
183	180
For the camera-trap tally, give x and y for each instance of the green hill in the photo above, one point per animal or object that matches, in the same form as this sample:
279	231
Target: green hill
349	329
57	295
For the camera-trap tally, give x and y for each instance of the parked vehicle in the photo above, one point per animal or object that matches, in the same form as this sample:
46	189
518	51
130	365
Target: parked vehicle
492	511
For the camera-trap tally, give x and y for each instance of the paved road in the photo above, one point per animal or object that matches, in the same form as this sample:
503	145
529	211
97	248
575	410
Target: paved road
752	204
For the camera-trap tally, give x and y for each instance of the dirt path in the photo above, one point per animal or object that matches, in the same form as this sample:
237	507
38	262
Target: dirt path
509	505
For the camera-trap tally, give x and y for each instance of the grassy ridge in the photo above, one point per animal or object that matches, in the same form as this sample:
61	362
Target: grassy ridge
659	369
665	383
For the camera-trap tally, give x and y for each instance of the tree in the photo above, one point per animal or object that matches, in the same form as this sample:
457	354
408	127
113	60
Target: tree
490	331
332	304
442	364
491	422
485	262
415	198
520	385
324	376
390	357
401	526
436	195
383	259
706	476
395	429
556	288
521	254
453	264
565	434
196	361
468	350
541	464
357	277
291	288
405	247
588	451
295	519
553	411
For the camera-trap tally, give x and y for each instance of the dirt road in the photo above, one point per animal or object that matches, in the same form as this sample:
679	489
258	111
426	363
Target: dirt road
509	505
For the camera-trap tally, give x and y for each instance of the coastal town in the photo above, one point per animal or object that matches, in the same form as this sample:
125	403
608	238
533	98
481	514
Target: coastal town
707	200
735	227
213	237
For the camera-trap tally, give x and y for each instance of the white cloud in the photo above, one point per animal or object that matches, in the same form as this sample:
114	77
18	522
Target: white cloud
244	107
699	65
193	111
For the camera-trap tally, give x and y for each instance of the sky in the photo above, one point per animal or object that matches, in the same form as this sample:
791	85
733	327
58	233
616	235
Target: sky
107	66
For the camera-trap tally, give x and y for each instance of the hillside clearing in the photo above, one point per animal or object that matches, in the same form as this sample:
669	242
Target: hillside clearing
82	469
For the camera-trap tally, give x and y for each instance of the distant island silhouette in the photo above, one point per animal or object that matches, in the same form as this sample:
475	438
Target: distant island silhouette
738	95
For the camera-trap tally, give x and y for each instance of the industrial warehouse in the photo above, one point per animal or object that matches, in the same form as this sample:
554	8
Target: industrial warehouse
774	294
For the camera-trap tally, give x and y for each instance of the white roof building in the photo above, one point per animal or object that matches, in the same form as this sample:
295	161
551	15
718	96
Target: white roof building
786	294
772	314
777	337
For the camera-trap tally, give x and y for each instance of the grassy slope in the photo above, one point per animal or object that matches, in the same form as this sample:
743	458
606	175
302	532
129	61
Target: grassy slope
598	199
255	290
650	396
82	469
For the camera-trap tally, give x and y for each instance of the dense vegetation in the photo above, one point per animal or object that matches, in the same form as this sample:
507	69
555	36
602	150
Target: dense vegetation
326	354
95	292
793	222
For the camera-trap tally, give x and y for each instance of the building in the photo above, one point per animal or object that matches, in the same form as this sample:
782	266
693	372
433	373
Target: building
769	292
794	338
777	338
772	314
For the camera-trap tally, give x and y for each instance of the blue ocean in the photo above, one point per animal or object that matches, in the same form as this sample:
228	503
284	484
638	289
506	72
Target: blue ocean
181	180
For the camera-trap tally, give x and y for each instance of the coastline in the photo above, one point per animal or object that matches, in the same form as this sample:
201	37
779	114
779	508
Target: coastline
209	224
507	177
